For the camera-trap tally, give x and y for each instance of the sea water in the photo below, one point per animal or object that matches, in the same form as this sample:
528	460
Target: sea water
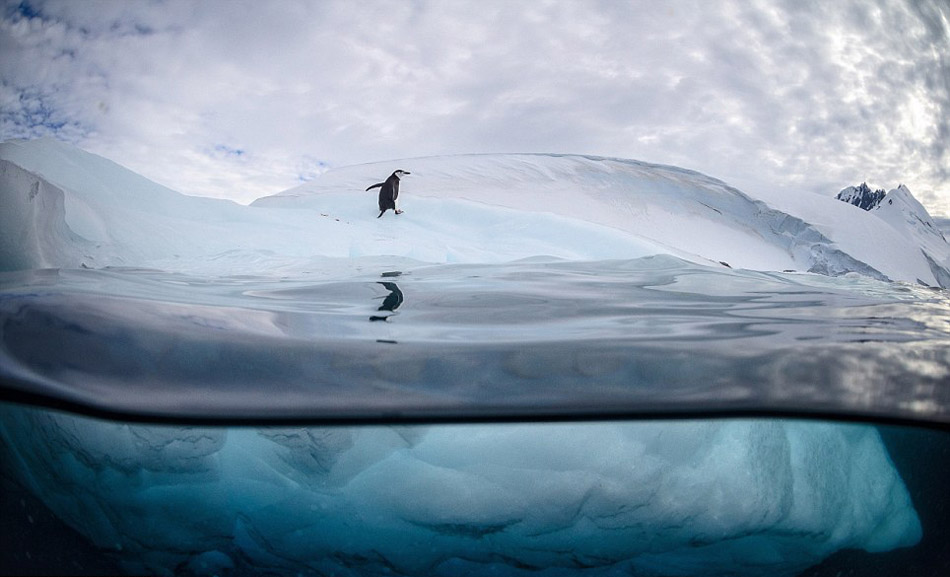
541	415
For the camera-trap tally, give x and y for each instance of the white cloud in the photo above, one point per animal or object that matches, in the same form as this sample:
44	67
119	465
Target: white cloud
806	96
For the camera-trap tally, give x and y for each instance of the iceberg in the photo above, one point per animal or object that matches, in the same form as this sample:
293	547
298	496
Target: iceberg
313	386
735	497
64	207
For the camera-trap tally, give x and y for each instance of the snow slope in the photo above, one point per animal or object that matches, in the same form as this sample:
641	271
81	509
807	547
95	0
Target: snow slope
688	213
68	208
907	216
71	209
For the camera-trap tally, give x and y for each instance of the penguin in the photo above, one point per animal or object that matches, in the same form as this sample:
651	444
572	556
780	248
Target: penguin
389	191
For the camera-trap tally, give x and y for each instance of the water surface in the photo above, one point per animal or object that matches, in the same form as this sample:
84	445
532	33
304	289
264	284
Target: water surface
529	339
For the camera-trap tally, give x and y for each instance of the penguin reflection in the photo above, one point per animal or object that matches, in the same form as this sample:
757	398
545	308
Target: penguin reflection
390	303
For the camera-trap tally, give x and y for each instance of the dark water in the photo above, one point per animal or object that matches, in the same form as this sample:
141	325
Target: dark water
646	337
526	341
922	456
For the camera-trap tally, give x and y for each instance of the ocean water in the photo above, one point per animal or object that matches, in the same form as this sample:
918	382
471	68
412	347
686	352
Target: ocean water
87	356
522	340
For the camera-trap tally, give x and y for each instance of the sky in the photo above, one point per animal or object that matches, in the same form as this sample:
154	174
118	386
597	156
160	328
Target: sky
239	100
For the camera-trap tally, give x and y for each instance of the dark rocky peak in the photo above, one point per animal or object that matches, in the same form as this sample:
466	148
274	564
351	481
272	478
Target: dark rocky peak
862	196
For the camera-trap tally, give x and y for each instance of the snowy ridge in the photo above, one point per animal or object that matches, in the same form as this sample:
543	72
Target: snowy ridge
684	212
909	218
69	208
905	214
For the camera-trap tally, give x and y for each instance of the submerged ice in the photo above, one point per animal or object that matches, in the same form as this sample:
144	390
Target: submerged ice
258	301
737	497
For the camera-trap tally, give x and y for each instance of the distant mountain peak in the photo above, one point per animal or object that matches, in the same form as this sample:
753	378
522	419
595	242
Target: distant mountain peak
862	196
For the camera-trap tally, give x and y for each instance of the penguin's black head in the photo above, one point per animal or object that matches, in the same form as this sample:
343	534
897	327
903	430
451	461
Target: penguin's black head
400	173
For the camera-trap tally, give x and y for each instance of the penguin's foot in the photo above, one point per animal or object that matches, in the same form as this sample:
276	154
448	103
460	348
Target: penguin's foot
398	212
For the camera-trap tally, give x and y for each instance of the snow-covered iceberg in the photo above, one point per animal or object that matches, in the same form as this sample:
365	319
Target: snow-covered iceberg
67	208
532	282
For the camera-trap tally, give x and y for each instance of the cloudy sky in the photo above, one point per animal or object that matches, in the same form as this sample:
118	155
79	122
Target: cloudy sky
243	99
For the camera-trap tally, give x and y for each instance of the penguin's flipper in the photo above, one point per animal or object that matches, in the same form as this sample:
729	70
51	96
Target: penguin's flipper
377	185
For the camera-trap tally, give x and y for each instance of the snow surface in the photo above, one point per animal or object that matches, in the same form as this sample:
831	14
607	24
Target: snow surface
904	213
68	208
737	497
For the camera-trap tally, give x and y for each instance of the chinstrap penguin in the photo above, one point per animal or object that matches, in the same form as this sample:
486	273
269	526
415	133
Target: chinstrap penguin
389	191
